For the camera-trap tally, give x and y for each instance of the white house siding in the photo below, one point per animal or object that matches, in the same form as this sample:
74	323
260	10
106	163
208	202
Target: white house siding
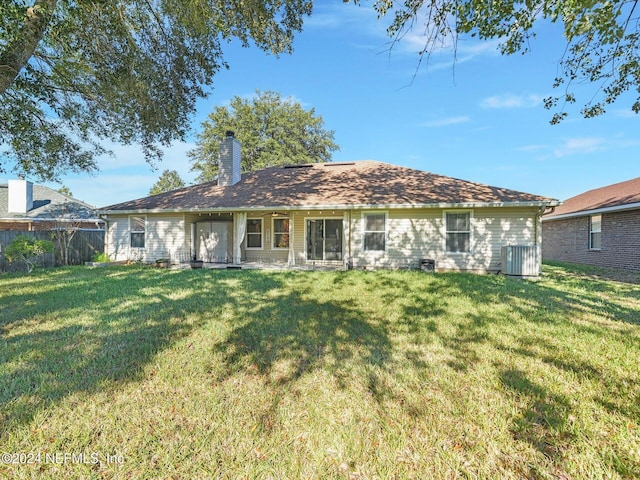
299	241
412	235
504	226
299	219
266	254
417	234
117	238
164	237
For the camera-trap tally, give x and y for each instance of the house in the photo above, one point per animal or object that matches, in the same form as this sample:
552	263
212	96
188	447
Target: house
599	227
361	214
78	233
28	207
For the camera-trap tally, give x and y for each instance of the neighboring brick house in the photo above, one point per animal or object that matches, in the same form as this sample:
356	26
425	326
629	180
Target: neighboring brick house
600	227
28	207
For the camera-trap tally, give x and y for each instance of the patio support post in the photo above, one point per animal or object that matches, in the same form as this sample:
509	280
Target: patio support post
240	224
346	238
192	251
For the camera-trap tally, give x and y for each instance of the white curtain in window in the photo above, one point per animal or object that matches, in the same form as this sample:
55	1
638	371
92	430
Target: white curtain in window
241	229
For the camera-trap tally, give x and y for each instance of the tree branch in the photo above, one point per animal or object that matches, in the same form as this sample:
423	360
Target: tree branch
18	52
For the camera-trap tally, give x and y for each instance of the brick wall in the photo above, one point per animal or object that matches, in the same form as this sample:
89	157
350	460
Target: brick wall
21	226
25	226
567	240
54	225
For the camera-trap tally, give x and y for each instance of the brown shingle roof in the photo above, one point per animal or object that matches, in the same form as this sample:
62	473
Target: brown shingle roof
330	185
616	195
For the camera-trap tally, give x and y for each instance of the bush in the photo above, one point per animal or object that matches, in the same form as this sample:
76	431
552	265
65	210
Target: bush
101	257
27	249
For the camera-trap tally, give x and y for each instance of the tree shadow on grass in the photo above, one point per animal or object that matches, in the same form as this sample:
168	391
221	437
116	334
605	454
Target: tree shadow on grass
285	334
98	328
290	334
524	322
542	418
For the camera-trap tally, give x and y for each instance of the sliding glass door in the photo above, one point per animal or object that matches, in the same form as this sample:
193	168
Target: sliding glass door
324	239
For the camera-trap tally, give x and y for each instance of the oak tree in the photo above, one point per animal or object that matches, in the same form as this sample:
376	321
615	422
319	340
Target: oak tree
74	73
272	130
169	180
602	39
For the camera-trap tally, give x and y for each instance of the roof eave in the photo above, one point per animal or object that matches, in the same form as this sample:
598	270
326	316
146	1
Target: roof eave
595	211
271	208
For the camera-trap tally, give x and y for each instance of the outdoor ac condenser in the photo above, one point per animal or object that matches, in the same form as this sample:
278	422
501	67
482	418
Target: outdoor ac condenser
520	260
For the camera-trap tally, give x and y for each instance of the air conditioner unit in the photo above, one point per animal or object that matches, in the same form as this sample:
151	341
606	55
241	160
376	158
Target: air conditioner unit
520	260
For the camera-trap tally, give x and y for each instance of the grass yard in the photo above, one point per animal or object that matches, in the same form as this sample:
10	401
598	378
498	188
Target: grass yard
142	373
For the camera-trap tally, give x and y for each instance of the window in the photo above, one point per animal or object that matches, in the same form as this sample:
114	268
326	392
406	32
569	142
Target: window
458	235
254	233
375	232
280	233
595	232
136	232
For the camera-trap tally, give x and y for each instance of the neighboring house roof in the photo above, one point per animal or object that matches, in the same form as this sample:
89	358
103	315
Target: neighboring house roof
619	196
48	205
326	185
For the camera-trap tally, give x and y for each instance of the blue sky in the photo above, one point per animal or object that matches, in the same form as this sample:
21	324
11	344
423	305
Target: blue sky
480	119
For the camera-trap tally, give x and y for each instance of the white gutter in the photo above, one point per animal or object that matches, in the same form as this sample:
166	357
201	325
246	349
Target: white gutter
290	208
595	211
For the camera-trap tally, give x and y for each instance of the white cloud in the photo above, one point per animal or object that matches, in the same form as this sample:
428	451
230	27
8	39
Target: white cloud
509	100
443	122
625	113
532	148
126	175
365	19
109	189
340	16
573	146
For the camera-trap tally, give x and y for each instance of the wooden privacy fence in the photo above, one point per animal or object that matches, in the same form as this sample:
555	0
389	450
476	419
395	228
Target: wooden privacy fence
83	246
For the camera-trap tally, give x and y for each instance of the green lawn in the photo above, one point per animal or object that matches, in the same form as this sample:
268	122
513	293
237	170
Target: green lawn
143	373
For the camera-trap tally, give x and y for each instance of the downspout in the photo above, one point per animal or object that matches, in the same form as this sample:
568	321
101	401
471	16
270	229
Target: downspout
105	219
538	230
542	211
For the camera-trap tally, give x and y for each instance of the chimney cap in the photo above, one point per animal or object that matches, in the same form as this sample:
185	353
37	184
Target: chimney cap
230	134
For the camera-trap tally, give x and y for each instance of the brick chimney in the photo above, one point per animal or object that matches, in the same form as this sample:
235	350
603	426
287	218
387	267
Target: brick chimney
20	196
229	163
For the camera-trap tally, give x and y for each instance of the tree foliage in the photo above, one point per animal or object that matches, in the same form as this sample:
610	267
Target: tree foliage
169	180
76	72
603	39
64	190
272	130
27	249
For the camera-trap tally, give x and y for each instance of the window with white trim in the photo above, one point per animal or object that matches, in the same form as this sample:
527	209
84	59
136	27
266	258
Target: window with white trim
254	233
595	232
137	231
458	232
280	233
375	232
